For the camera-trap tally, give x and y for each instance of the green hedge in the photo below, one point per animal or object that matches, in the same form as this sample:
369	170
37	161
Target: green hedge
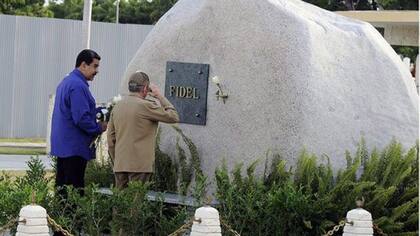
94	213
308	199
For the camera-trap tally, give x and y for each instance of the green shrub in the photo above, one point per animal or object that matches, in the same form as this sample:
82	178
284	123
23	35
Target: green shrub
18	192
93	213
127	210
166	170
172	174
175	174
99	173
310	199
137	216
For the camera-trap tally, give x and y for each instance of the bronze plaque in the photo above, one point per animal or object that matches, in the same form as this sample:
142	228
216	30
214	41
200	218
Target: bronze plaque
186	88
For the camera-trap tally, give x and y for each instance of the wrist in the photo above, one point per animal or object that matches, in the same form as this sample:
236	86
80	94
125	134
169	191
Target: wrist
100	130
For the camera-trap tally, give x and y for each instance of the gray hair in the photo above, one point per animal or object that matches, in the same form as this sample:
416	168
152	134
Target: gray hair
137	80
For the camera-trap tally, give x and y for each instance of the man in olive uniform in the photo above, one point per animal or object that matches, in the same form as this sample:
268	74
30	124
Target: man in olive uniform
132	130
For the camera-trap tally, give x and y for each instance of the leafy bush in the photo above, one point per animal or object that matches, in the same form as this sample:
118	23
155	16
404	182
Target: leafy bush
165	177
19	191
137	216
310	199
172	174
93	213
127	210
100	173
176	174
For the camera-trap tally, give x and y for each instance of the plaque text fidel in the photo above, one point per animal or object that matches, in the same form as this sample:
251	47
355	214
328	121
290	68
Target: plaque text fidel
186	88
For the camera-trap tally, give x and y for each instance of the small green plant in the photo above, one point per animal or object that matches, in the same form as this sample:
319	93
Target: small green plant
310	199
96	211
133	214
171	174
166	171
100	174
18	192
36	172
176	174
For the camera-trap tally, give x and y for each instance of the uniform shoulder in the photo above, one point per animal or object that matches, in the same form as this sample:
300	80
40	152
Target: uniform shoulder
138	100
150	103
149	100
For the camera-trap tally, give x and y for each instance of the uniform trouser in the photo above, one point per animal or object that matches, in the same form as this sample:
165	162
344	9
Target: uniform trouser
123	178
70	172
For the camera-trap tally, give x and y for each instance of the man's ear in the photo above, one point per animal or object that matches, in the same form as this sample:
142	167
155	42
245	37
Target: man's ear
82	65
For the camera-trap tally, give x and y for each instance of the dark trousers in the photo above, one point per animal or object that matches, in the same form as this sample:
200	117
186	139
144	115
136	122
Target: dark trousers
70	172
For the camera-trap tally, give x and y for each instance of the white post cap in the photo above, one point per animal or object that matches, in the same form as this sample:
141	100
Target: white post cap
33	211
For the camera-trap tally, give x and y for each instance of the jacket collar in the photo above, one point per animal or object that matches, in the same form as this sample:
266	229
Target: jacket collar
80	76
131	94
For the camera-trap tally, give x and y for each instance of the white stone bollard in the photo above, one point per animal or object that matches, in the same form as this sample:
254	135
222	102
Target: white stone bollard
207	222
362	223
33	221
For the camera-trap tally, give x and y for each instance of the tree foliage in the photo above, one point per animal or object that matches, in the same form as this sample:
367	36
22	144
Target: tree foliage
348	5
25	8
410	52
67	9
399	4
130	11
145	12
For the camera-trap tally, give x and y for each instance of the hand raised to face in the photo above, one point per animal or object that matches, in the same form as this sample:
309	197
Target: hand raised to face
155	91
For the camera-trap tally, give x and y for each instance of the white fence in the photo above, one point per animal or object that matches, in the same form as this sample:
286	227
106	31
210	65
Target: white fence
36	53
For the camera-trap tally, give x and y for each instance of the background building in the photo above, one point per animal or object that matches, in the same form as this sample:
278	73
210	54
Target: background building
36	53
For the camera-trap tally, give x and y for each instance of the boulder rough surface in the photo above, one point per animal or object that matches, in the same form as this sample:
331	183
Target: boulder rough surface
297	77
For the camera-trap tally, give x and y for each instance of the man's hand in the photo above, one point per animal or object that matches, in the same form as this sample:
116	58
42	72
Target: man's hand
103	125
155	91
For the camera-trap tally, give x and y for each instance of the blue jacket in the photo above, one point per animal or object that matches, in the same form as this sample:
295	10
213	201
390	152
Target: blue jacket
74	125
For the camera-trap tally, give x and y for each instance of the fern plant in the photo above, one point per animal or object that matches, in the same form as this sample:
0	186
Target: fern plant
175	174
310	199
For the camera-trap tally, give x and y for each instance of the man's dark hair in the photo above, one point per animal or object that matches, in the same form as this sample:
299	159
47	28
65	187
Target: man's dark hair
87	56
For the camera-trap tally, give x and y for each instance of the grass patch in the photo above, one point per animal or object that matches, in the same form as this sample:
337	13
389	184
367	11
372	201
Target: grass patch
13	173
22	140
22	151
20	173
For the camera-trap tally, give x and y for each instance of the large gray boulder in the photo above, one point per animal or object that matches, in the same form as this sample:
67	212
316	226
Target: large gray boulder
297	77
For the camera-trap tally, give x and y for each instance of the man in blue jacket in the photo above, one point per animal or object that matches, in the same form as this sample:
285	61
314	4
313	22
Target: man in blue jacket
74	125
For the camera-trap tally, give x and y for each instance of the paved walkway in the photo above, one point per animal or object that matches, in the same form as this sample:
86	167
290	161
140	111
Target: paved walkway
18	162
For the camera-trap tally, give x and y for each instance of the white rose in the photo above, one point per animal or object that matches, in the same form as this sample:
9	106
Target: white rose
216	80
116	98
